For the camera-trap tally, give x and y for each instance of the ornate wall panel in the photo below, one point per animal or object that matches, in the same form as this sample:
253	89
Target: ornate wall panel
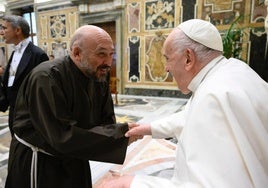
253	13
188	9
154	60
258	48
134	59
146	25
149	23
55	29
159	14
223	13
133	20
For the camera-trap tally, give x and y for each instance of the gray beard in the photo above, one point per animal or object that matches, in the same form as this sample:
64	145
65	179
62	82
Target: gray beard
91	73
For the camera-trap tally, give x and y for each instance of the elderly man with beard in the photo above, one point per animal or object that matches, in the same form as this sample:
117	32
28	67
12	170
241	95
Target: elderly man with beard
64	116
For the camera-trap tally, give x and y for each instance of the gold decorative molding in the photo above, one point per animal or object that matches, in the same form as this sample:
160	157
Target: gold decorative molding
150	22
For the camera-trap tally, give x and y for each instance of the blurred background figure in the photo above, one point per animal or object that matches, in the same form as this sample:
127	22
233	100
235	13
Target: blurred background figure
16	30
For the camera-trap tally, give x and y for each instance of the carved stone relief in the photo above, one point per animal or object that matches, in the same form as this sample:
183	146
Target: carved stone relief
134	59
134	17
57	25
62	24
221	12
159	14
149	22
146	18
155	61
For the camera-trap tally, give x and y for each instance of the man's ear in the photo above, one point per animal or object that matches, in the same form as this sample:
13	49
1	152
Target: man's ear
77	53
190	59
18	30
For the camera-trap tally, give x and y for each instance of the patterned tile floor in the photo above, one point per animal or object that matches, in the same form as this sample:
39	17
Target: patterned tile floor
146	156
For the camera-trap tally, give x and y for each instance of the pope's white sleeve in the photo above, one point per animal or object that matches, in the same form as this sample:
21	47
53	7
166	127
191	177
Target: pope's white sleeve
167	127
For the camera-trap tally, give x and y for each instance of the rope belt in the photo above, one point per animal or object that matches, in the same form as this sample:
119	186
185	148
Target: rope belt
34	160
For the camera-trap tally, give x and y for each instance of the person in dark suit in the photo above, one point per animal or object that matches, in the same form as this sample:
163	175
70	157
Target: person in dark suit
15	30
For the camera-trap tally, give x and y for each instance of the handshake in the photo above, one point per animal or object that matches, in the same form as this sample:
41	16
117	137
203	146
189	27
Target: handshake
137	131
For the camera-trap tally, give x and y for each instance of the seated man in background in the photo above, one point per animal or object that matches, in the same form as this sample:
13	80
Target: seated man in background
223	131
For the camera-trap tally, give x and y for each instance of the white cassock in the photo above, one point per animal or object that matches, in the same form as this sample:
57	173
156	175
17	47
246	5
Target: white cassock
222	133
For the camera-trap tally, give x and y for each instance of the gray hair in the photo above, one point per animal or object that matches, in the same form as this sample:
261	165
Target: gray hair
18	22
203	53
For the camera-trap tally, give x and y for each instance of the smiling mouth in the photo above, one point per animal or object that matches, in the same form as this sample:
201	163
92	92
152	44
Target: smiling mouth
104	68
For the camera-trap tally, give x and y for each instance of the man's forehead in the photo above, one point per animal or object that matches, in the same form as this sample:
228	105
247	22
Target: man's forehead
166	47
4	22
101	47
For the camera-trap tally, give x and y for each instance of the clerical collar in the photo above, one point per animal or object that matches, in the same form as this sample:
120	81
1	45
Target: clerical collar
22	45
196	81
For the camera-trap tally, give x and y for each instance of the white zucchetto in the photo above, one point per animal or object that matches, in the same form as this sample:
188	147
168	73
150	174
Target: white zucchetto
202	32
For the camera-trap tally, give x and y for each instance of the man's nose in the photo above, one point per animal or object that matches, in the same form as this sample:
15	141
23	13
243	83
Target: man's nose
109	60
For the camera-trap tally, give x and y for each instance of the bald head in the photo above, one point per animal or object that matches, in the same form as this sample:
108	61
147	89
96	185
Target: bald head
89	35
92	51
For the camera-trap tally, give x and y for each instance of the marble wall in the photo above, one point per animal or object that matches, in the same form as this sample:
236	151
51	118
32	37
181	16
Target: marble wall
149	22
55	29
141	29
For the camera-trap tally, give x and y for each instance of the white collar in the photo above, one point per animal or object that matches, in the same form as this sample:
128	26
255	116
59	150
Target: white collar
196	81
22	45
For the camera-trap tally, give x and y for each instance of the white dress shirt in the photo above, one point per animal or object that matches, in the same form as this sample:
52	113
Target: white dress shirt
18	52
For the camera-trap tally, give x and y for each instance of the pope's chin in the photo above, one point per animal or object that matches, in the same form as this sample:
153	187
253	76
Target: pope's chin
185	92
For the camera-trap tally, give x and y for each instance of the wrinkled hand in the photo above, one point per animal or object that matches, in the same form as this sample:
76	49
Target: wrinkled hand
138	130
116	181
133	138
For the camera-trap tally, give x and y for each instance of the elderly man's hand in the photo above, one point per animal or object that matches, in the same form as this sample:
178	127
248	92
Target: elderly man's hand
133	138
116	181
138	130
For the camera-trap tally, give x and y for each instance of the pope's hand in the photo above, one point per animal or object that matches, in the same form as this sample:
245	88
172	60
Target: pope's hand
115	181
133	138
138	130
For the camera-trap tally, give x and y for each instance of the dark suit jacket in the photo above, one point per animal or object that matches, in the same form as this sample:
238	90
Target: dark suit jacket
31	57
